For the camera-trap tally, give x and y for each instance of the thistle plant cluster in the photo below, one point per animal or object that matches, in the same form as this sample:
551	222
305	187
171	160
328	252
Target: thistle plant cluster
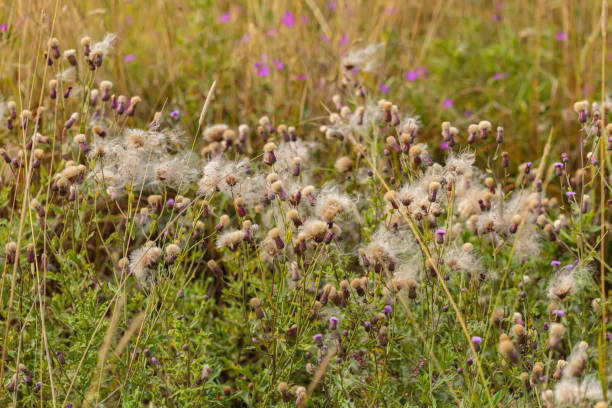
268	263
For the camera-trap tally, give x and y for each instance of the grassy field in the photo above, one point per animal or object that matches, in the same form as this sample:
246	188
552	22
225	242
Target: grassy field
305	203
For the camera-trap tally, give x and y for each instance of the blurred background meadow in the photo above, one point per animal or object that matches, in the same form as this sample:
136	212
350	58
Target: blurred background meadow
520	63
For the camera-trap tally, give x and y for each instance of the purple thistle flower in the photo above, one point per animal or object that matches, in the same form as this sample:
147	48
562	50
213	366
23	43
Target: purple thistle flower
390	11
555	264
288	19
384	88
279	64
333	322
476	342
245	38
387	309
3	27
412	75
262	69
224	18
499	76
301	77
332	6
175	114
343	40
440	236
129	58
560	37
448	103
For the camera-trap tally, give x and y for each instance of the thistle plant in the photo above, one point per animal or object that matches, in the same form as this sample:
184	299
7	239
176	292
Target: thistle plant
353	259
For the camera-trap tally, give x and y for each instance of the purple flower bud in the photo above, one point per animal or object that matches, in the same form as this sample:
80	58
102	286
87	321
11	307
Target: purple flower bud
318	338
476	342
440	236
60	357
387	309
333	322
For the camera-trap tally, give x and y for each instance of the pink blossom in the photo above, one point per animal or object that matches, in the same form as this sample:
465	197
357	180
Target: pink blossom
560	37
288	19
344	39
301	77
262	68
332	6
224	18
448	103
413	75
129	57
245	38
390	11
499	76
384	88
271	32
3	27
278	63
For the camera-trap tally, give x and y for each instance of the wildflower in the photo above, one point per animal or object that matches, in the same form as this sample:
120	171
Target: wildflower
447	103
556	333
567	281
383	336
364	59
288	19
224	18
301	395
507	349
256	305
476	342
332	204
333	322
10	251
135	100
230	240
582	108
215	268
484	127
269	157
282	389
440	236
143	261
572	392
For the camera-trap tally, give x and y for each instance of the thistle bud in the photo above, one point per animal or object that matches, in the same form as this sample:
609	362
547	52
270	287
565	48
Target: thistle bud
256	305
269	157
73	118
134	101
215	268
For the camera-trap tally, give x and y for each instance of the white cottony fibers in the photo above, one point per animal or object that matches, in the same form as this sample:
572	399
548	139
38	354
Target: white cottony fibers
570	391
364	59
147	160
230	239
331	204
142	262
106	45
567	281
